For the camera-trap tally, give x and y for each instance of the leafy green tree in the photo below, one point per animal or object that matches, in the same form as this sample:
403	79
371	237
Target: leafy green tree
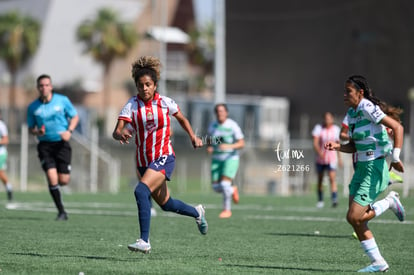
19	40
106	38
201	50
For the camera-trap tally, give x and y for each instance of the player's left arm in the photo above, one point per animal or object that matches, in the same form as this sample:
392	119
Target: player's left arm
238	137
239	144
73	118
185	124
73	122
398	131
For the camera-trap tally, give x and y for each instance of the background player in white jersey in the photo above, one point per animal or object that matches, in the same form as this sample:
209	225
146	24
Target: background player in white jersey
367	119
149	115
225	139
4	140
326	160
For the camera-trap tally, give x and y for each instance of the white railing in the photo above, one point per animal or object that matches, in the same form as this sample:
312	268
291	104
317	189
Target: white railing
97	153
94	153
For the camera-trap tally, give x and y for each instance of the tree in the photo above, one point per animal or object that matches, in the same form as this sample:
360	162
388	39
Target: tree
106	38
19	40
201	50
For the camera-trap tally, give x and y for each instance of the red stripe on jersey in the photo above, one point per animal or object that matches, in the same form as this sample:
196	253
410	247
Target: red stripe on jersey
160	138
139	136
151	129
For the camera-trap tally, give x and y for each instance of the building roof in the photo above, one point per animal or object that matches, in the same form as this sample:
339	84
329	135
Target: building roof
168	35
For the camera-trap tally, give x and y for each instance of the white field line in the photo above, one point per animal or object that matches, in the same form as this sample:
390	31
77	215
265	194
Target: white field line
322	219
124	209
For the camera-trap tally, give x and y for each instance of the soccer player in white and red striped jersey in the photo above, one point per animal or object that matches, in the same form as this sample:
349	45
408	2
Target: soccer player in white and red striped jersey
326	160
148	113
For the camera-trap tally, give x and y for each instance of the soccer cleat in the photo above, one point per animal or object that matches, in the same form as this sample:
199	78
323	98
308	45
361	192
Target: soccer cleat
394	178
62	216
11	205
334	204
225	214
153	212
201	219
235	195
140	246
375	268
320	204
355	236
395	205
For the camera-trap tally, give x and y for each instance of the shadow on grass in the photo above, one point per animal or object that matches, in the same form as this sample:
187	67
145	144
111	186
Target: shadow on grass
289	268
312	235
21	218
75	256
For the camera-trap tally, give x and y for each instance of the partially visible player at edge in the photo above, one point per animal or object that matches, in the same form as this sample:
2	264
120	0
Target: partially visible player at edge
226	138
149	115
368	119
52	118
4	141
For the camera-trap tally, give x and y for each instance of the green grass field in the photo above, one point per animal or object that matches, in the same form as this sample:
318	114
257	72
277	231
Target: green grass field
269	235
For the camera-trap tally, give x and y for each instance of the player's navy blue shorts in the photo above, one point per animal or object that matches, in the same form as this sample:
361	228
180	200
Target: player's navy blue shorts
322	167
165	164
56	154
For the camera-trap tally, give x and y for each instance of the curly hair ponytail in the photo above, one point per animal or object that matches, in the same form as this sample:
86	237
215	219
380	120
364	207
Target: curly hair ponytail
361	83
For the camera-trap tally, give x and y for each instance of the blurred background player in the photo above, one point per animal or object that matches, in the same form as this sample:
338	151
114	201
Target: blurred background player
149	115
326	160
52	118
4	140
367	121
225	139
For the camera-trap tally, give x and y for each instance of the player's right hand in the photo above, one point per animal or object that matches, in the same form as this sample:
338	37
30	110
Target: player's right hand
41	131
197	142
333	146
125	136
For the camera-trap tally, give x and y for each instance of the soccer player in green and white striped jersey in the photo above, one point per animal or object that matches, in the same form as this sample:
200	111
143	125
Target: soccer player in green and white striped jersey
225	139
368	118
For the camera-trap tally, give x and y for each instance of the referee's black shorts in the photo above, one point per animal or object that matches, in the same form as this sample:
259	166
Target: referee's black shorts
57	154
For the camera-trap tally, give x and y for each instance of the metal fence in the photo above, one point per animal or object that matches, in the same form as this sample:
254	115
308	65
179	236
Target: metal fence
93	169
285	167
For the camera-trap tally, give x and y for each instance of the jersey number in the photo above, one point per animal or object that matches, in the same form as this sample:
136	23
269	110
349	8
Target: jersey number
161	161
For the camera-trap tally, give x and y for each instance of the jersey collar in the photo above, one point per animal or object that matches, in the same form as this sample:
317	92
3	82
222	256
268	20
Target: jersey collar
156	97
